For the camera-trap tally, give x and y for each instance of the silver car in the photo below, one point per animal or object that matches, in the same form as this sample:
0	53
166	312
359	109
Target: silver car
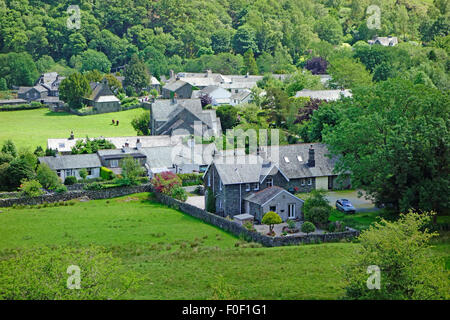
345	205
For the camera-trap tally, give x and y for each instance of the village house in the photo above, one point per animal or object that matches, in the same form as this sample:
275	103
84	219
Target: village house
384	41
102	99
295	168
182	116
177	89
70	165
218	95
45	90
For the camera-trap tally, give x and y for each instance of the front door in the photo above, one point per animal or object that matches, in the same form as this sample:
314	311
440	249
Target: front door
291	211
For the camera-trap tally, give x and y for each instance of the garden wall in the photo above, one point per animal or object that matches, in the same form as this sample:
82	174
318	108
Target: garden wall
239	230
91	194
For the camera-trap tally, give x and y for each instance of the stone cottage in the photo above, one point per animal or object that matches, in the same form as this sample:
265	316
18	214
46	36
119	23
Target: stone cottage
70	165
102	99
177	89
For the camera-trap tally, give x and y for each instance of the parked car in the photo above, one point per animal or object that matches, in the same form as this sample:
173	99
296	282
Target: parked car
345	205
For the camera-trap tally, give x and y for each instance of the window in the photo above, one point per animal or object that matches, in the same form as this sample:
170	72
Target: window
256	186
247	187
309	181
302	181
286	159
220	204
273	208
269	182
89	170
220	185
114	163
209	180
299	158
58	172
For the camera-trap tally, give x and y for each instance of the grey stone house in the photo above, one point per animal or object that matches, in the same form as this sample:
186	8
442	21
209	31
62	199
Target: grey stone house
45	90
111	158
295	168
276	199
102	99
70	165
184	116
177	89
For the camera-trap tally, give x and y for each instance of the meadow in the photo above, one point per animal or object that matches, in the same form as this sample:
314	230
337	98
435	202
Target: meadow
182	257
32	128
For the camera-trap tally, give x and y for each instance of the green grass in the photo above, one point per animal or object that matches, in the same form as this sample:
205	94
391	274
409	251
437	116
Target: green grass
359	220
31	128
181	257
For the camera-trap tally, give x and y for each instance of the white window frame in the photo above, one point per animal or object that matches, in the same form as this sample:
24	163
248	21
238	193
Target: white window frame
269	182
220	185
209	180
302	181
114	163
248	187
256	187
309	181
293	210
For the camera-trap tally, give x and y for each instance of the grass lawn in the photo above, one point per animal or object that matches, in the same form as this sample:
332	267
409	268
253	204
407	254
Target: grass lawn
30	128
180	256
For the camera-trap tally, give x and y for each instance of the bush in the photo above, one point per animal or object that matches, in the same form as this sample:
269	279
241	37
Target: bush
31	188
164	182
179	193
17	107
191	179
308	227
291	224
94	186
401	250
271	218
318	215
70	180
47	177
61	189
106	174
210	201
332	227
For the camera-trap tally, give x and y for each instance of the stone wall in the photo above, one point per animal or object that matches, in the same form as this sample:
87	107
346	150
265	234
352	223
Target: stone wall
91	194
238	230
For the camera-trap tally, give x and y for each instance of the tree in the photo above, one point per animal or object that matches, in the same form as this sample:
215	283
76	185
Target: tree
18	69
316	208
136	74
228	116
114	84
325	116
271	219
347	73
131	170
91	146
73	89
95	60
83	173
19	169
93	76
206	100
317	65
9	148
250	63
393	138
401	252
3	85
142	124
244	40
308	227
47	177
329	29
221	40
210	201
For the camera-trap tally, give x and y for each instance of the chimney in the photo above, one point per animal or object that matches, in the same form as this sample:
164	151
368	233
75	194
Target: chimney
208	73
172	74
247	74
311	160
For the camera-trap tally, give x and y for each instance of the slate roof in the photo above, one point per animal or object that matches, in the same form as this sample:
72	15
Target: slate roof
295	169
329	95
102	93
263	196
175	85
75	161
119	153
239	169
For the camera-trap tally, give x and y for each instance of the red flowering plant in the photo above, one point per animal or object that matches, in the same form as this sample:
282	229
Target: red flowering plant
165	182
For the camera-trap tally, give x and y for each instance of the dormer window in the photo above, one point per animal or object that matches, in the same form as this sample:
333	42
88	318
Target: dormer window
269	182
256	187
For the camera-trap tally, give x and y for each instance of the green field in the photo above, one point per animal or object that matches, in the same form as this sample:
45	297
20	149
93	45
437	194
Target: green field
31	128
180	256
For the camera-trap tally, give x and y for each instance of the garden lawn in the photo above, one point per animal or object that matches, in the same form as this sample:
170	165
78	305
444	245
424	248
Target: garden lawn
30	128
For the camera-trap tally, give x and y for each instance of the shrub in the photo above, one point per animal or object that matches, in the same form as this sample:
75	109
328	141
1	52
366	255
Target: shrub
191	179
164	182
61	189
31	188
106	174
210	201
18	107
318	215
83	173
179	193
271	218
249	226
332	227
131	169
70	180
401	250
94	186
291	224
47	177
308	227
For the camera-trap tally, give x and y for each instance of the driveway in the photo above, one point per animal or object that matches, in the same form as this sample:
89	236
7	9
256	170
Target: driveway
360	204
197	201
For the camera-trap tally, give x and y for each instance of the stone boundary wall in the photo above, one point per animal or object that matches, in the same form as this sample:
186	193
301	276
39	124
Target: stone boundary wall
238	230
91	194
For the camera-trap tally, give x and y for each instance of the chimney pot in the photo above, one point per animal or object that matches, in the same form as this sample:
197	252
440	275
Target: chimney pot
311	159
